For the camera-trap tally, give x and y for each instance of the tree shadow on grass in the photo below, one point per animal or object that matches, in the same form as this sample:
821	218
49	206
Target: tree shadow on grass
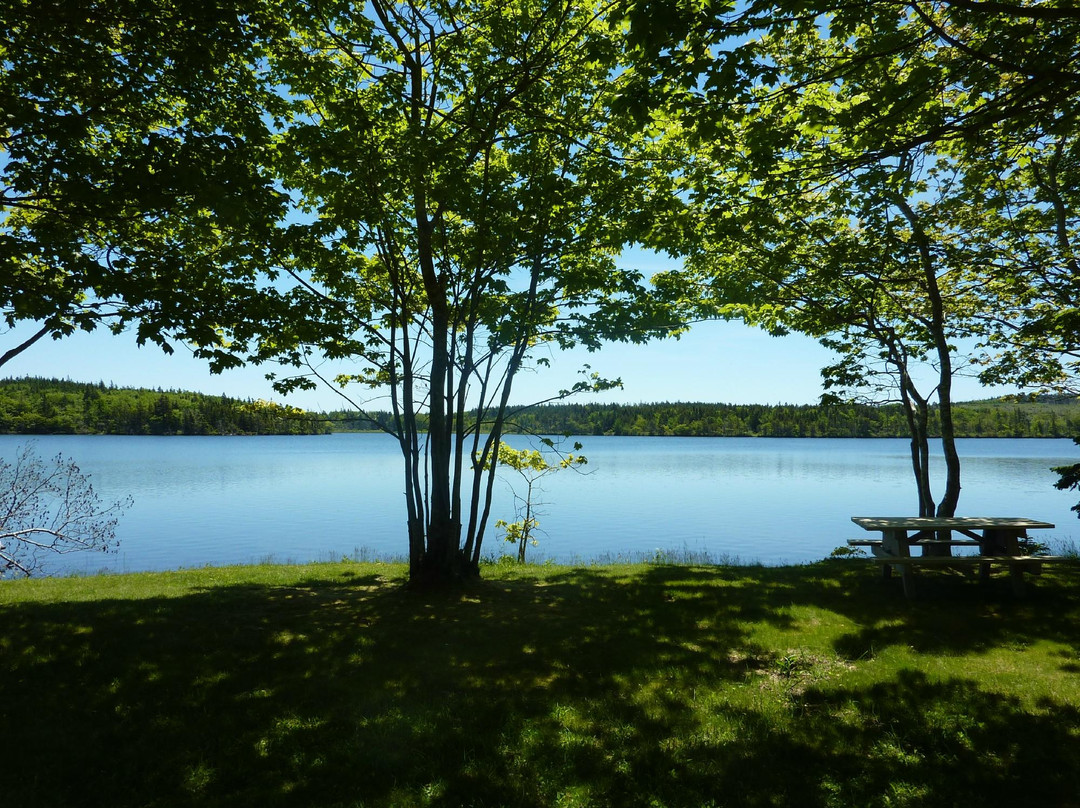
911	741
577	688
954	613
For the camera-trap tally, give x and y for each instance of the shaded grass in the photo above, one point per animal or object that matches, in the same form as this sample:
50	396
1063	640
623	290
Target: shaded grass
636	685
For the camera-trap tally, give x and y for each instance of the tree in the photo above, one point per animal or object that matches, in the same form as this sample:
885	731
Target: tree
464	186
531	466
49	507
992	83
132	183
854	158
433	191
873	274
812	222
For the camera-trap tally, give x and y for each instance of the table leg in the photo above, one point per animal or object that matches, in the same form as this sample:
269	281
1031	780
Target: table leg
909	581
1002	541
939	550
1016	575
895	543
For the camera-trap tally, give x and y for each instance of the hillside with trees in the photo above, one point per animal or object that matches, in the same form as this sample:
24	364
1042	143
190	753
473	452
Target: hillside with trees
984	419
64	407
1048	417
53	406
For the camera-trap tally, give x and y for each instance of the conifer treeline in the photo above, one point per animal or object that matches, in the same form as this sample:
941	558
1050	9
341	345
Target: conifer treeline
53	406
1058	418
998	419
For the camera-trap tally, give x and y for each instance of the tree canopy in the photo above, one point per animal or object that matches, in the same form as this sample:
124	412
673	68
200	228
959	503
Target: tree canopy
891	178
133	181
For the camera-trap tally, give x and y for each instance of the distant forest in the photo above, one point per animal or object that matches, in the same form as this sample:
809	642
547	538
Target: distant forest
52	406
1044	418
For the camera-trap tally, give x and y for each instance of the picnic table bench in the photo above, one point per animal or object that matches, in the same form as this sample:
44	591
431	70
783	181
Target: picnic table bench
998	539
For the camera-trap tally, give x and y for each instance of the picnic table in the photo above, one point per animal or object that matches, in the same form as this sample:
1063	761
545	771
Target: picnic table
996	538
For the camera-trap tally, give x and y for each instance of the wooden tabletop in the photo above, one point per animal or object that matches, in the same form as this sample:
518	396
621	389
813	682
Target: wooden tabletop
951	522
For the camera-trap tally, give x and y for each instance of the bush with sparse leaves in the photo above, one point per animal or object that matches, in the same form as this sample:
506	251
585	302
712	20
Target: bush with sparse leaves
532	466
49	507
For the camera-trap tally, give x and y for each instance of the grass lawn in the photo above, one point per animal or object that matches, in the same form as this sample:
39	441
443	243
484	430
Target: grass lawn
642	685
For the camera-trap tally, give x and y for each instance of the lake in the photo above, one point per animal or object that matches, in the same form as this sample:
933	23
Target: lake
231	500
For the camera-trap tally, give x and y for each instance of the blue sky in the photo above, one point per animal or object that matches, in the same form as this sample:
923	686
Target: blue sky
714	362
718	362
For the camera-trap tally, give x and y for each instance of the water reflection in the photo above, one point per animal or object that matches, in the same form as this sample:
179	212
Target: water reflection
235	500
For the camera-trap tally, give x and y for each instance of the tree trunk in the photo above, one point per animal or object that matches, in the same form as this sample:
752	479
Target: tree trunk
475	537
920	456
526	529
947	506
917	413
443	561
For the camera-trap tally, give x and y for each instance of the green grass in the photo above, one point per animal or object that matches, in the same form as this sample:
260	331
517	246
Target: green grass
635	685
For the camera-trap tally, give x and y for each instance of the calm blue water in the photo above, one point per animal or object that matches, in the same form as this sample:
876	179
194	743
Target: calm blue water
227	500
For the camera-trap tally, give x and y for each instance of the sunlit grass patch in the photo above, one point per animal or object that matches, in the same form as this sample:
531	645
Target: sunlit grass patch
636	684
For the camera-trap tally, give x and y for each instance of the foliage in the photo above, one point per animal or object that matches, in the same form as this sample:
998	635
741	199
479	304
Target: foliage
521	533
49	507
1069	478
849	92
980	69
52	406
132	171
1033	546
1034	333
333	684
531	466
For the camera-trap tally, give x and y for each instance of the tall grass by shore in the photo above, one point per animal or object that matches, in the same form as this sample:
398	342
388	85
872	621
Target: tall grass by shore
636	685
